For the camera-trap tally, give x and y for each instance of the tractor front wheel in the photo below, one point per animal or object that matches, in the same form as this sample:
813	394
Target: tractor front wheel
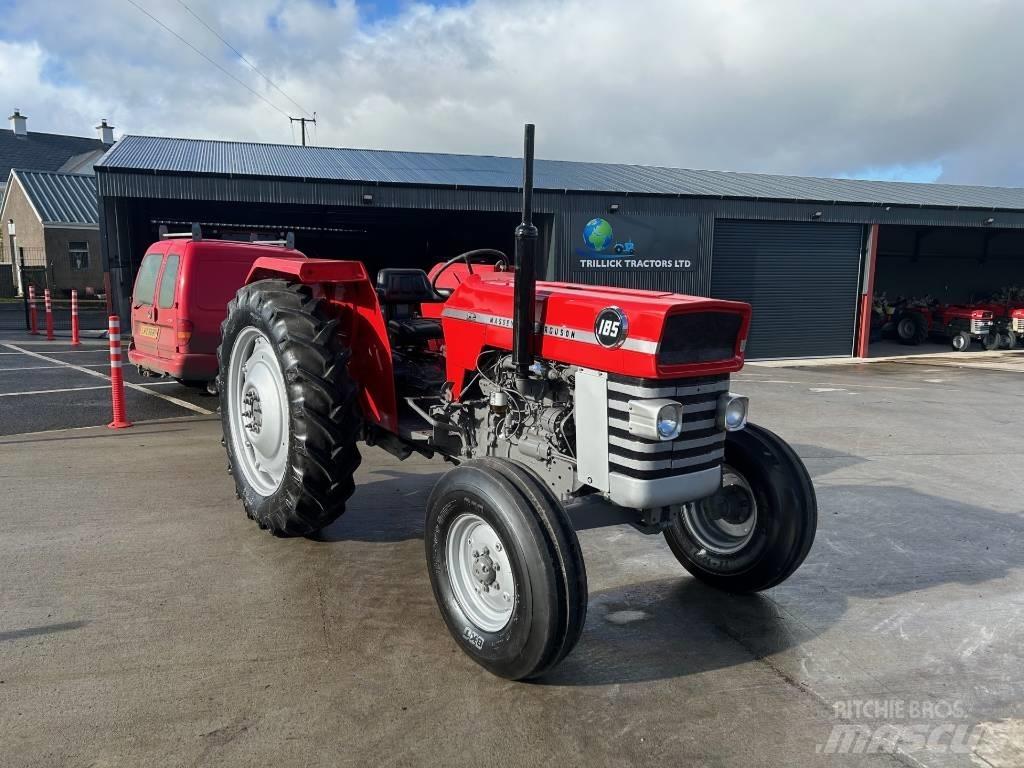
961	341
758	528
990	341
288	408
505	567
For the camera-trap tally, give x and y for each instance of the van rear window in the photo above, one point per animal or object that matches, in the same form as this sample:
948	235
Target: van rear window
168	282
145	282
216	282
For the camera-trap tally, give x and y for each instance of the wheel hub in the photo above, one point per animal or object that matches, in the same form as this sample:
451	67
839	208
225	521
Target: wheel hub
483	569
480	572
723	523
252	413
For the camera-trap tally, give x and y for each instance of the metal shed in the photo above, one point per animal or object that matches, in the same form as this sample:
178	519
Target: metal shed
795	247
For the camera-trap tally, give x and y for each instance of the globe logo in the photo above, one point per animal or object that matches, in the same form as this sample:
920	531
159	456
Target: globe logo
597	234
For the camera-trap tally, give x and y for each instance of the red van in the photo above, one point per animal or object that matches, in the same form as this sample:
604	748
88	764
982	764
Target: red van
181	297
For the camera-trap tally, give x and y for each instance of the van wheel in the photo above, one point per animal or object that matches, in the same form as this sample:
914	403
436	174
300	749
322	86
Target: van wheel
288	408
199	384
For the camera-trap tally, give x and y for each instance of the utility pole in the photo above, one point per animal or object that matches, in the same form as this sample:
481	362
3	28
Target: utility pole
302	121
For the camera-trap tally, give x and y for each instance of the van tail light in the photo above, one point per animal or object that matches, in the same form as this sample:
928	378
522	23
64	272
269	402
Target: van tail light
183	332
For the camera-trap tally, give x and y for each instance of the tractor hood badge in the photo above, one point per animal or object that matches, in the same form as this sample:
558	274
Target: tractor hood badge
611	327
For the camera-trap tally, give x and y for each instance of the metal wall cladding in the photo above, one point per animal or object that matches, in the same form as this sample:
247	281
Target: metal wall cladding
224	158
801	279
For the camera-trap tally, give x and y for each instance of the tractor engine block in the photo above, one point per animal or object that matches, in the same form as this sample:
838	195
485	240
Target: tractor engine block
534	424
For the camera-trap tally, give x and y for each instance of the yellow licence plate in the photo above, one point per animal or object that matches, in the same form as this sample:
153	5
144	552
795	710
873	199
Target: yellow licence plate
148	331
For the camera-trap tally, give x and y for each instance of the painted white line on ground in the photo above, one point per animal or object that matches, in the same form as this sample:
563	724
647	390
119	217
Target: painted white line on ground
50	391
77	389
92	350
137	387
50	367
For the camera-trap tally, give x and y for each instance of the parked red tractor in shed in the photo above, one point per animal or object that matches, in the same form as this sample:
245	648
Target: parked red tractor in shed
561	404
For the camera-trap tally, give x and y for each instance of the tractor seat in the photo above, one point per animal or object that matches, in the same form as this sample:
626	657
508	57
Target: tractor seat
401	292
414	331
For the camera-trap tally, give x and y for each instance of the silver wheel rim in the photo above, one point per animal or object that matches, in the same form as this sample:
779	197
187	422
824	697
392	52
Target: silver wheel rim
257	401
480	573
715	533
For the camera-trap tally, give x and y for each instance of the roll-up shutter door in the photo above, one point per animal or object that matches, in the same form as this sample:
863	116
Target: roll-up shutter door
801	279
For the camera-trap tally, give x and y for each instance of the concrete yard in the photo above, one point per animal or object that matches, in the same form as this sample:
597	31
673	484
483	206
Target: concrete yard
146	622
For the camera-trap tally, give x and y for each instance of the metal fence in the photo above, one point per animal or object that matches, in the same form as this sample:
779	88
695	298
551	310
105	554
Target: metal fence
61	274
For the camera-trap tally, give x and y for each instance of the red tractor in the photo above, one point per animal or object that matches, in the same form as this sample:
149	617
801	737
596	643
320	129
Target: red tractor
1007	319
960	325
563	406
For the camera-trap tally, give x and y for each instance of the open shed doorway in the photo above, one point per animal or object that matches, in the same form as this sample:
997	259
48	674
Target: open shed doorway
936	278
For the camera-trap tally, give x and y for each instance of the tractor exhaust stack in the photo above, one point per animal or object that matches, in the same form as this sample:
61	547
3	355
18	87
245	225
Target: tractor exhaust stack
524	300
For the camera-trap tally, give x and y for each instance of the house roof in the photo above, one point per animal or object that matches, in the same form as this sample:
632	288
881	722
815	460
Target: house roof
60	198
226	158
42	151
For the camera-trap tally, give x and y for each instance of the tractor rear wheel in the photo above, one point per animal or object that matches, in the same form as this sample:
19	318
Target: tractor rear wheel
288	408
912	329
961	341
758	528
505	567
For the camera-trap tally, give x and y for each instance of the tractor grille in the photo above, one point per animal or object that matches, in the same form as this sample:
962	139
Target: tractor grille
1017	325
701	444
699	337
979	327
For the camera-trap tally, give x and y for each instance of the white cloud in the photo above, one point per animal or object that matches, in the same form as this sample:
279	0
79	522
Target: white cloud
797	86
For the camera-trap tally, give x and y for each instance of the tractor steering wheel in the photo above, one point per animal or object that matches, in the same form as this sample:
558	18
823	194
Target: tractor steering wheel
480	253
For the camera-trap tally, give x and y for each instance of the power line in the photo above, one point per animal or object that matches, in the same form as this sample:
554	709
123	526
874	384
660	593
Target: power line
218	66
238	53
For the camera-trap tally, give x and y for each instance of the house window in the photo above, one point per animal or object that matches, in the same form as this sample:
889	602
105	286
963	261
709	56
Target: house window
78	255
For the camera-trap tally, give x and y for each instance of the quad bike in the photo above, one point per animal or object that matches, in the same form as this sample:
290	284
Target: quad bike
549	398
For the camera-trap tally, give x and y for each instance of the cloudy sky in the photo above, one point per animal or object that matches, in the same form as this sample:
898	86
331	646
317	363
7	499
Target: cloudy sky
919	90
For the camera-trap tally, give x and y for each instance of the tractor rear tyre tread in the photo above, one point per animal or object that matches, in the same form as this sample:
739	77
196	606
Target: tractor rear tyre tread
787	518
912	329
323	413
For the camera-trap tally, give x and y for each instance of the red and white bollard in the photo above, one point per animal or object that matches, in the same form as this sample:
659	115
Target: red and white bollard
116	380
74	318
33	313
48	304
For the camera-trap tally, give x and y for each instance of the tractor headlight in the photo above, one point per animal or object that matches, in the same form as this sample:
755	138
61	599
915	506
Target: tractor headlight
670	421
732	412
655	419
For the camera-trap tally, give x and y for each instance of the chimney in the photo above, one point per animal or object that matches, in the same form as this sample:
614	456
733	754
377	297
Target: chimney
19	123
105	132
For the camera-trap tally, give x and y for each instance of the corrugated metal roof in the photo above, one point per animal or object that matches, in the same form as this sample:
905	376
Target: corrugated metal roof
61	198
200	156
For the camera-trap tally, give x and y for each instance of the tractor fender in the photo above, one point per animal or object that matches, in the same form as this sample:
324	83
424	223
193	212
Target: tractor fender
347	287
